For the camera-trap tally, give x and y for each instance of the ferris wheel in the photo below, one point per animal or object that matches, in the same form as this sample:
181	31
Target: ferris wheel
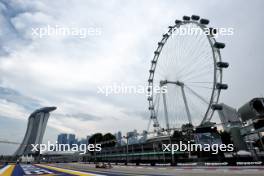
187	69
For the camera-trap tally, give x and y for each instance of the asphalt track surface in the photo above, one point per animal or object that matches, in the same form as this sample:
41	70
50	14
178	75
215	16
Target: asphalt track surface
80	169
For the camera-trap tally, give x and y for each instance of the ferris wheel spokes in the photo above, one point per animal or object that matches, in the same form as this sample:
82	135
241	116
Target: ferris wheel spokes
191	67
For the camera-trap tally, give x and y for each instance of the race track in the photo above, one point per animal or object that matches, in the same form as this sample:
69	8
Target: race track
81	169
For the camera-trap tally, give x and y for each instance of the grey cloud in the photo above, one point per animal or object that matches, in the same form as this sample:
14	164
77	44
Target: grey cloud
14	96
80	116
84	116
131	30
10	38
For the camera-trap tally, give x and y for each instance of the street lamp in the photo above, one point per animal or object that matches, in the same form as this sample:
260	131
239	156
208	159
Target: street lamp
126	137
172	155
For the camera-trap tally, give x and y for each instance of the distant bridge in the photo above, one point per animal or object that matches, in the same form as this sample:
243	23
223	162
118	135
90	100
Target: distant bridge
5	141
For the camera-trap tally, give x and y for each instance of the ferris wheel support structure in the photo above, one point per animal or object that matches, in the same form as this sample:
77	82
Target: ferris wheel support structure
185	69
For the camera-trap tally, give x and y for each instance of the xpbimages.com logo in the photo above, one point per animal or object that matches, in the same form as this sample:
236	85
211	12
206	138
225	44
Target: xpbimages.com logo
123	89
80	32
192	31
189	147
82	148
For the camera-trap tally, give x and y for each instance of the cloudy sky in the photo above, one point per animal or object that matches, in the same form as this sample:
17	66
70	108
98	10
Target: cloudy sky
66	71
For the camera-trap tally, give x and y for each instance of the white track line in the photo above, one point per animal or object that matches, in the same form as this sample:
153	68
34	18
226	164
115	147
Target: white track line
4	169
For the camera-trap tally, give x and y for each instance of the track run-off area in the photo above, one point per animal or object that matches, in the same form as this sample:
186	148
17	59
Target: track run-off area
81	169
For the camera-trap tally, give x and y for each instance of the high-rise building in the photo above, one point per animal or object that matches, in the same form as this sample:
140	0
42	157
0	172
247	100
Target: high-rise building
62	138
65	138
36	127
132	137
144	137
71	139
118	136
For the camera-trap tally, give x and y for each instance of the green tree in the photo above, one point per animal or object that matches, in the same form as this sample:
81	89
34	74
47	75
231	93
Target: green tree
96	138
109	140
187	130
187	127
177	136
225	137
